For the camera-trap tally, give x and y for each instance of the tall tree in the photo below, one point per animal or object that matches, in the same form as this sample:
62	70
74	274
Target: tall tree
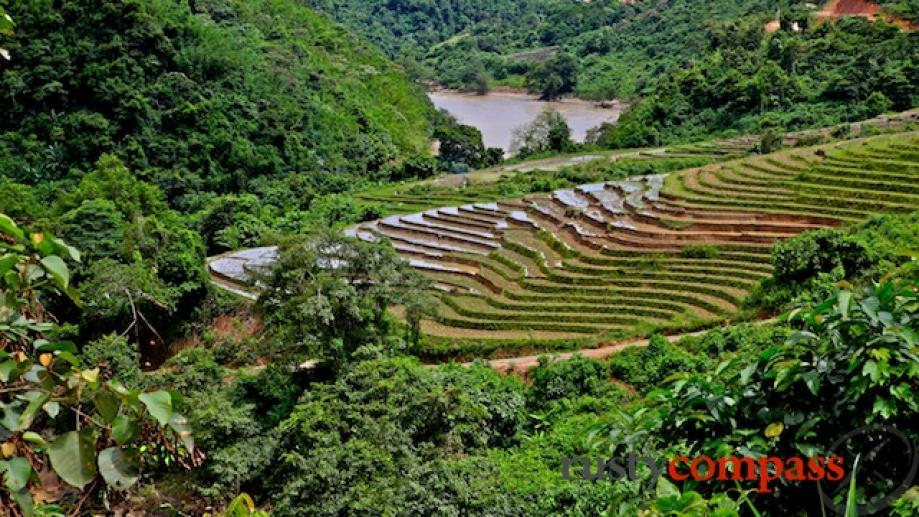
327	295
554	78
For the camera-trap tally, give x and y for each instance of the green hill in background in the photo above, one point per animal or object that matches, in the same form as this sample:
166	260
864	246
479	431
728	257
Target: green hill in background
620	46
201	96
692	68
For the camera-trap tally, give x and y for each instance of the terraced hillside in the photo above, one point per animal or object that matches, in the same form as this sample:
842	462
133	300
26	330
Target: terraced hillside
616	259
484	185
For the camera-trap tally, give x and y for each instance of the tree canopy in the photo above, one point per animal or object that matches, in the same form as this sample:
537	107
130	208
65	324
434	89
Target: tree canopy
200	97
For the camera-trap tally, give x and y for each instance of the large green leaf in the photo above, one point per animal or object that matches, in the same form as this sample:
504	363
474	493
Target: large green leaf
159	404
73	457
107	405
852	495
8	226
6	369
18	472
35	438
123	429
119	467
666	489
845	300
812	380
57	269
36	400
7	262
11	279
53	408
24	499
241	506
56	346
10	419
65	249
179	425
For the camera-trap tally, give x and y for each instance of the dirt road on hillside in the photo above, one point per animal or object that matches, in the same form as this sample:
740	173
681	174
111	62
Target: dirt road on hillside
523	364
552	164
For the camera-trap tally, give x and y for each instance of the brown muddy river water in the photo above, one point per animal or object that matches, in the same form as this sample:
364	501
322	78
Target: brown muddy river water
498	114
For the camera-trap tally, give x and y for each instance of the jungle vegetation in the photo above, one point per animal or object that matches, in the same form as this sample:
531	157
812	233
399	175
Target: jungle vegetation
140	137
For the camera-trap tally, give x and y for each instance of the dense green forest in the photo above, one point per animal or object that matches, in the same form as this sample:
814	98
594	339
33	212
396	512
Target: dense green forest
619	46
694	68
826	74
139	137
211	105
375	431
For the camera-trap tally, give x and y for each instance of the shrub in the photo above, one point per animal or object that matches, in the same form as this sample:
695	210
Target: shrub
118	355
908	504
370	213
97	224
328	312
851	364
806	266
192	370
889	239
349	443
745	338
645	367
274	390
460	144
770	141
566	379
417	166
238	449
876	104
804	256
547	132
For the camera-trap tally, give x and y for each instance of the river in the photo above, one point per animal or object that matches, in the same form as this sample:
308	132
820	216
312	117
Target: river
498	114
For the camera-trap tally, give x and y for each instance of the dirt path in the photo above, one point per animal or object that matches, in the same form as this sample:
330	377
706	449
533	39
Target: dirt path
557	162
551	164
523	364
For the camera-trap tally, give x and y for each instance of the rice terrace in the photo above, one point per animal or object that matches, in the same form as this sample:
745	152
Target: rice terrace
607	261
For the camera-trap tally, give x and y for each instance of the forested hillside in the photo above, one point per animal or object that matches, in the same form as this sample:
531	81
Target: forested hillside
200	98
619	45
827	73
412	27
696	67
155	132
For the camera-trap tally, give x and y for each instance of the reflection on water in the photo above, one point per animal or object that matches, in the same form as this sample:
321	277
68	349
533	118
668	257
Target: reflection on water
498	114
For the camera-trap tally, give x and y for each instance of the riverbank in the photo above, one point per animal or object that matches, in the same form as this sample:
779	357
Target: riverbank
524	93
497	114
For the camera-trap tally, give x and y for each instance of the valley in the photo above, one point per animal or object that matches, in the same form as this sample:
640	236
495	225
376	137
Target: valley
248	267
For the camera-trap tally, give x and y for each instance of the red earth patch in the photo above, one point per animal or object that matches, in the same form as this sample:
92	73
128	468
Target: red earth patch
839	8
